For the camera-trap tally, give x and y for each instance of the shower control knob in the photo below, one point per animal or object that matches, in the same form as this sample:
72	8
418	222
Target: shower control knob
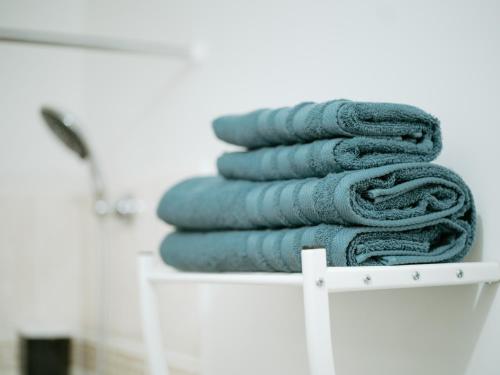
127	207
101	207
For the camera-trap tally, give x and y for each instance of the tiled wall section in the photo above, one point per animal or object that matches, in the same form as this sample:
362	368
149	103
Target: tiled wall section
83	360
41	260
50	251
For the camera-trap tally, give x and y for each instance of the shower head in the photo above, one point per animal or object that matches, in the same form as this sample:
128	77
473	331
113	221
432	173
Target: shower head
64	126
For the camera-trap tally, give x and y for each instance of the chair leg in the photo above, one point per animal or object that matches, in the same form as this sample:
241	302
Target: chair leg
155	353
317	312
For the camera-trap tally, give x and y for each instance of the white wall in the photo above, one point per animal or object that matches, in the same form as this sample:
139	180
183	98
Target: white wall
42	188
149	121
35	174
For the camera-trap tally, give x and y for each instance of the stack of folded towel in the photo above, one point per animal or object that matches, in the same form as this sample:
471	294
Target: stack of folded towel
348	176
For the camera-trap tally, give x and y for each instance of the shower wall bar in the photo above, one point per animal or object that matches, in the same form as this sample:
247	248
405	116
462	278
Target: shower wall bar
58	39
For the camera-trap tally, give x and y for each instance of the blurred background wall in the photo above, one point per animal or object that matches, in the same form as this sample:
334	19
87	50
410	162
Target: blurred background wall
148	120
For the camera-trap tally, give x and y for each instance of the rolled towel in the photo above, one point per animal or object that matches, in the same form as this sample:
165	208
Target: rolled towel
308	122
319	158
392	195
443	240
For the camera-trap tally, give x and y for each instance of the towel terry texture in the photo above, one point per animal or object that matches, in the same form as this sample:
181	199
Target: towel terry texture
388	196
354	135
442	240
307	122
351	177
324	138
319	158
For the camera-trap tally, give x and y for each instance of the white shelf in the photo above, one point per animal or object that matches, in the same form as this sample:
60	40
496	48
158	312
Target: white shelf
316	281
340	279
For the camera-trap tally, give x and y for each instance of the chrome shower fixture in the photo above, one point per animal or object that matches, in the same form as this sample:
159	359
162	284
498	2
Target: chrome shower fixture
64	126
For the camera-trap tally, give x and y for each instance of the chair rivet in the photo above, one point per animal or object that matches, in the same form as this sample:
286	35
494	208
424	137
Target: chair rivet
320	282
367	279
460	274
416	275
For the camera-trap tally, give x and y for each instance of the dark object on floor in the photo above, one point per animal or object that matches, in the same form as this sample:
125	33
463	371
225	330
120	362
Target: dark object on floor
44	355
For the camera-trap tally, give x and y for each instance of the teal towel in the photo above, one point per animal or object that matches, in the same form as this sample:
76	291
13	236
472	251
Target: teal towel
308	122
392	195
443	240
319	158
